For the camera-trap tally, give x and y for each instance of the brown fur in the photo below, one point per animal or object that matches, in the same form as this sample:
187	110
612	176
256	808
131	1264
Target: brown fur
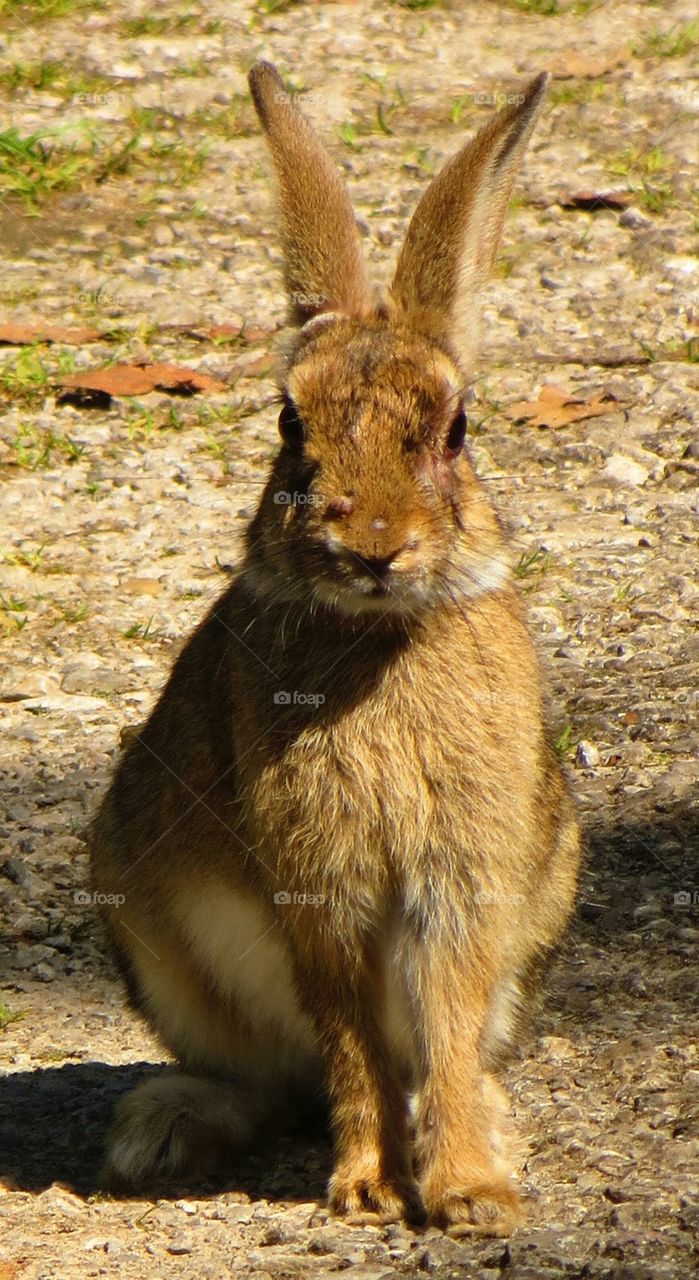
415	794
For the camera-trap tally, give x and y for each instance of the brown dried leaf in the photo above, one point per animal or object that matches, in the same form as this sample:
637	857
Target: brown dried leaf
256	366
205	332
138	380
572	65
593	200
18	335
232	329
558	408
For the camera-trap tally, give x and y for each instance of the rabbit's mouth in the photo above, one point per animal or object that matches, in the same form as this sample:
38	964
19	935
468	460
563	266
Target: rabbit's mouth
358	593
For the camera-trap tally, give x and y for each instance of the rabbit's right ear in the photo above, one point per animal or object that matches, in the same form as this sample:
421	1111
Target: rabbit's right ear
455	231
324	269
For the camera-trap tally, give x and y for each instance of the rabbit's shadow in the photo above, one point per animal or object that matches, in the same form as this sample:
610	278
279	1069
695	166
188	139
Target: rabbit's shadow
53	1124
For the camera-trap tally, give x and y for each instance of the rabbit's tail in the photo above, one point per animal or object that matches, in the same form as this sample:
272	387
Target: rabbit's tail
177	1125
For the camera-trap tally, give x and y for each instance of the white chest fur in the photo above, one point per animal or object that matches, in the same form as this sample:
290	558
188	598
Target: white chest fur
237	941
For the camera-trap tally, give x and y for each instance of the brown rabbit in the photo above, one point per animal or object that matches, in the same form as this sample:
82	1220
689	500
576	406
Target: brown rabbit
343	839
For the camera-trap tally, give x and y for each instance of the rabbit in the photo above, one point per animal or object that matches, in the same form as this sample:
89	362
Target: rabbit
342	843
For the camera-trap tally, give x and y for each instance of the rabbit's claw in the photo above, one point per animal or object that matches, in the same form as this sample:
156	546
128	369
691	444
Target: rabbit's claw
487	1208
366	1199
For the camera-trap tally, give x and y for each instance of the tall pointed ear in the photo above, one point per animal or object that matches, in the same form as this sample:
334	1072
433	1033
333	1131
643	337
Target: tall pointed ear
324	270
455	231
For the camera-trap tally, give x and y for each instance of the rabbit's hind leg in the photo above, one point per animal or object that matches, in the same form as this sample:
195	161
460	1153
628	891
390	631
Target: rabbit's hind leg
214	986
176	1126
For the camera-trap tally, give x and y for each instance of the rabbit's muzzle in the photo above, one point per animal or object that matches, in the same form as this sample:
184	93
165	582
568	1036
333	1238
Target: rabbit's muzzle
374	571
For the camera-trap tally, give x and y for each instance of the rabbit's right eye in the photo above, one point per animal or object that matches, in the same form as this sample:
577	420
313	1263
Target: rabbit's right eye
457	434
291	428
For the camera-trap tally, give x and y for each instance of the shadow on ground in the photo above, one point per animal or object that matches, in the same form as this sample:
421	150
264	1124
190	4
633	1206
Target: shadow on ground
53	1124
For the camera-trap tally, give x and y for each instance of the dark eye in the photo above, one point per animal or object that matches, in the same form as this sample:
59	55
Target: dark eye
291	427
456	434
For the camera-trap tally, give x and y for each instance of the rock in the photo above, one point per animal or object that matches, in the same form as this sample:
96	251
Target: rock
163	234
18	685
79	679
179	1248
624	470
587	755
25	957
634	219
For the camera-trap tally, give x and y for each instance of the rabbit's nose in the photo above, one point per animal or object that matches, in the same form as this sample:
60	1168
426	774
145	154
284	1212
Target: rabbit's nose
378	566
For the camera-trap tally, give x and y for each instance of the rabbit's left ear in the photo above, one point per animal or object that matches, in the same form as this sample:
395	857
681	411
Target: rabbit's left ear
455	231
324	270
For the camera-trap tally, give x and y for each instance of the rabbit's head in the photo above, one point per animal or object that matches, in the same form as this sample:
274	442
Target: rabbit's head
372	504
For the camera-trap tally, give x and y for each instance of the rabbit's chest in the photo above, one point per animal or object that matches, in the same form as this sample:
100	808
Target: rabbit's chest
347	801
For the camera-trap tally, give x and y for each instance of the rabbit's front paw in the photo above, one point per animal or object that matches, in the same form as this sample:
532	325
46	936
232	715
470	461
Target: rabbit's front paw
486	1208
363	1197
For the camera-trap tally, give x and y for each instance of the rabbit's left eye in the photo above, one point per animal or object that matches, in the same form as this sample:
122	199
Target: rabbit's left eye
291	427
456	434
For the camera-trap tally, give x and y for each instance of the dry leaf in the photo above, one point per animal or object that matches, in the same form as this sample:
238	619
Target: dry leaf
255	366
256	333
205	332
580	66
91	387
141	586
231	329
558	408
593	200
18	335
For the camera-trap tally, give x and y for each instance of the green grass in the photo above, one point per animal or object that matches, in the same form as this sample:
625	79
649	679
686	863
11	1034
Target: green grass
8	1016
348	134
29	11
546	8
578	91
14	611
36	449
73	613
139	630
533	565
34	166
566	741
264	8
31	75
673	43
26	379
419	158
648	172
233	121
151	24
31	560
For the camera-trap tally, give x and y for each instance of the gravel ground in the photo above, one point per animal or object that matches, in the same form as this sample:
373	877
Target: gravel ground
120	524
